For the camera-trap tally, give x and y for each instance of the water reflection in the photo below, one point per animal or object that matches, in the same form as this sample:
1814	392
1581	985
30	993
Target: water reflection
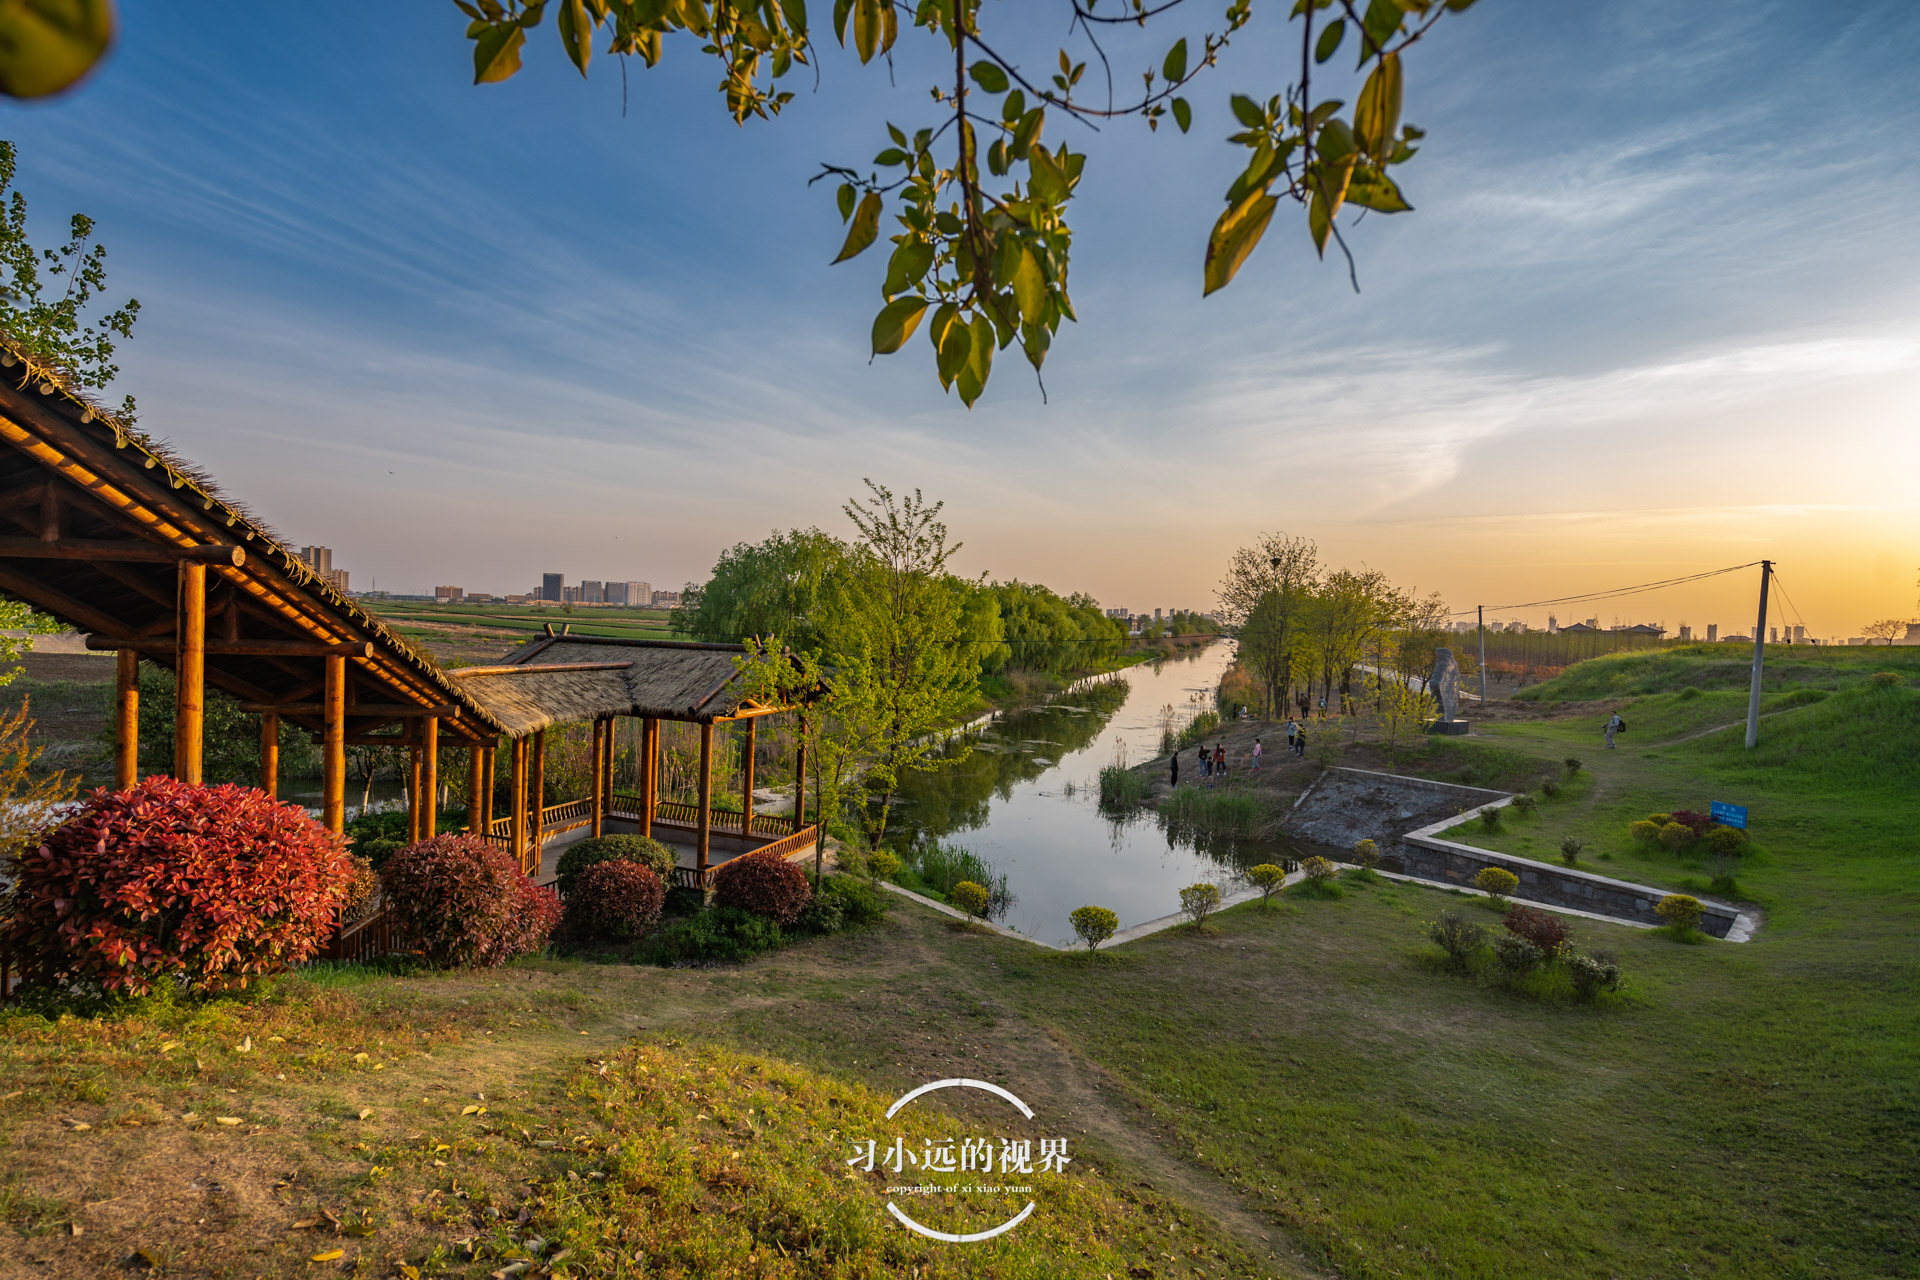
1026	801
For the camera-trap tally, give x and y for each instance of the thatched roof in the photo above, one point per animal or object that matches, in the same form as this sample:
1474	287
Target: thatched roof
102	482
661	679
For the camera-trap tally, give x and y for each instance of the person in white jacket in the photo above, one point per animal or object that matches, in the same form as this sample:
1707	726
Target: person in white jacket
1614	725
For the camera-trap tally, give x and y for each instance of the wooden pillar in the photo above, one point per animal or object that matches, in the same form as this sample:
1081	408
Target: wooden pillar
598	775
706	798
537	801
333	752
649	754
606	771
489	787
746	781
270	754
800	780
430	777
126	720
190	672
479	799
517	801
413	793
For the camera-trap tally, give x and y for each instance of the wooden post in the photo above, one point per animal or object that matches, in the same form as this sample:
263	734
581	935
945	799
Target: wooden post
190	672
800	780
479	799
598	778
430	776
333	761
606	771
517	802
413	793
126	720
270	754
493	757
537	784
706	798
746	782
649	753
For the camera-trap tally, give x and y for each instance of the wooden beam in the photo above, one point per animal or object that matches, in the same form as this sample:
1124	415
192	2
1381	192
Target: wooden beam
333	755
479	800
706	798
251	648
430	776
126	552
536	668
58	603
270	755
380	710
126	720
190	673
649	753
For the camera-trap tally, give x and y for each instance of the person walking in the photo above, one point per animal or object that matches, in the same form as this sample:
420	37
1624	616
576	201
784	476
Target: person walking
1256	757
1300	743
1220	758
1293	728
1614	725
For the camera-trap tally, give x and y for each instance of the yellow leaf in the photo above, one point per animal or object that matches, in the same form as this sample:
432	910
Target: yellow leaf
276	1039
245	1046
469	1109
330	1255
226	1119
359	1057
189	1117
81	1128
365	1112
9	1097
305	1223
169	1046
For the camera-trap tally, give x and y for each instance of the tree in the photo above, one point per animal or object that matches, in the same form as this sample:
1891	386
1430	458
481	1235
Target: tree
989	259
1346	611
1266	592
778	587
44	292
29	805
1887	629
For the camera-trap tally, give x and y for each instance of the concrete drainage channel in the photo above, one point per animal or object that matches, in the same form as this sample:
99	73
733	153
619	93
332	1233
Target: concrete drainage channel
1346	805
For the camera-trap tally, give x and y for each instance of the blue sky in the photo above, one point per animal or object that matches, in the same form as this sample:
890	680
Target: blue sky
1658	310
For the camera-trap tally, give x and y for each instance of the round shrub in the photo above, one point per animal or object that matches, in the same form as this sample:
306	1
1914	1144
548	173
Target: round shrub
1198	901
1094	924
1591	976
615	899
1659	819
971	898
1570	850
361	893
1496	882
1490	818
883	865
1573	765
1644	832
859	904
1680	910
718	934
1726	842
765	884
823	916
1516	956
1549	787
1460	939
1524	805
1266	878
1677	836
1317	868
1366	854
209	886
1545	931
463	902
581	854
1886	679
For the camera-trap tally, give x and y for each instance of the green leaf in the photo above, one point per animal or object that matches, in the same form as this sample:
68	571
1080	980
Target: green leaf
971	378
1329	42
1035	339
1027	132
907	266
1371	189
1182	114
1382	21
1175	67
845	197
1029	287
1014	107
891	156
867	24
988	76
1234	237
1319	222
576	33
1335	143
496	52
953	343
866	226
896	323
1046	180
842	9
1248	112
47	45
997	158
1376	115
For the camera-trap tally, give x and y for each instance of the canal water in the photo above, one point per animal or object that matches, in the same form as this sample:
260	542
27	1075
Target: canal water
1027	801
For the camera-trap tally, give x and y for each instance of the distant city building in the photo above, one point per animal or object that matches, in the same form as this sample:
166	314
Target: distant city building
593	591
1912	636
551	586
519	599
1686	632
1773	635
1713	633
569	595
480	597
1642	629
320	560
666	599
1575	628
1121	614
448	594
639	594
1799	634
1553	624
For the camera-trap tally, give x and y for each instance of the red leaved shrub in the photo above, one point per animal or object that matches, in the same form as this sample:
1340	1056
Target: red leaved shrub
1547	932
765	884
211	886
1694	820
463	902
613	899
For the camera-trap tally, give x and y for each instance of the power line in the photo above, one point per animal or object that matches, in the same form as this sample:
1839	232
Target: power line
1616	592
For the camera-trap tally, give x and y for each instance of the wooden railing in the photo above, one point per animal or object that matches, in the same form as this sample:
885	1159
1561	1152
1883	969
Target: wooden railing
681	813
363	939
792	844
567	815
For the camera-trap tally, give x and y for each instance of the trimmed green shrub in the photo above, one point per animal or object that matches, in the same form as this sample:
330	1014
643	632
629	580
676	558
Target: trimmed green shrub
1094	925
1318	869
1570	850
581	854
1644	832
882	865
971	898
1366	854
1886	679
613	900
685	901
859	904
1591	975
1457	937
1682	911
1659	819
824	915
1728	842
1516	956
1198	901
1573	765
1549	787
1524	805
1267	878
1496	882
1678	837
1490	818
764	883
721	934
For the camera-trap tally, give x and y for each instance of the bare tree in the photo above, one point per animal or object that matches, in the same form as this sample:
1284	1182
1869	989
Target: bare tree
1886	629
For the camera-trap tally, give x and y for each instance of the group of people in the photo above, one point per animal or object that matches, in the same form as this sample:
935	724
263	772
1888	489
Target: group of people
1213	760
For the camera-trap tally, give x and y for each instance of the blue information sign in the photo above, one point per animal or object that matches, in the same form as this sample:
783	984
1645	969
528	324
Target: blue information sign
1732	815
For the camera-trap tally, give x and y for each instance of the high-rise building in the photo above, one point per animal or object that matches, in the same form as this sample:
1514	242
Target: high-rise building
445	595
666	599
320	560
592	591
639	594
1713	633
1799	633
1773	635
551	585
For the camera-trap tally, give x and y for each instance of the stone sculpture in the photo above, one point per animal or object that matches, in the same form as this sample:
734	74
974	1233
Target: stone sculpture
1444	685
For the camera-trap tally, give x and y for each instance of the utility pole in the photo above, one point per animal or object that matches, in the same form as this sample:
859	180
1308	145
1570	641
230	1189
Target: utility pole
1483	655
1759	658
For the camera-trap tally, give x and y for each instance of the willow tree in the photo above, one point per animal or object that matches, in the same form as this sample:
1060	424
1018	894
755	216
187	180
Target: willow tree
1266	594
977	193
